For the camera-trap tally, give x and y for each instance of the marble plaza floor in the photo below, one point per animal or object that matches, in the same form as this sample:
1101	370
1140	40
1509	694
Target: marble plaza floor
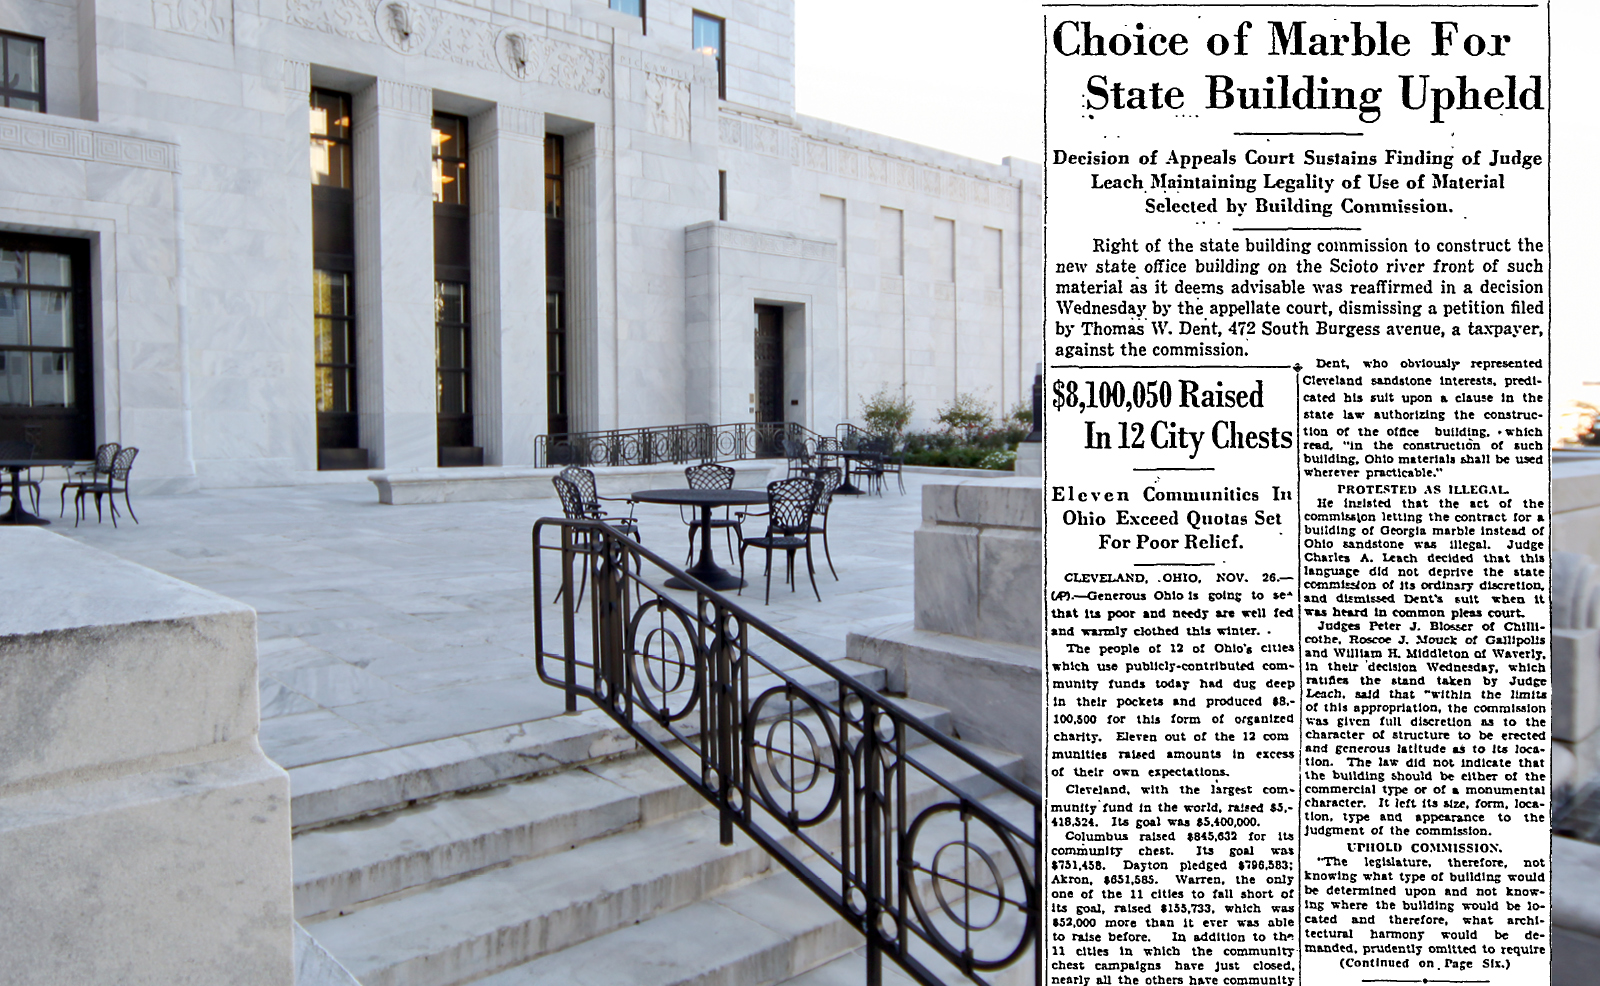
383	626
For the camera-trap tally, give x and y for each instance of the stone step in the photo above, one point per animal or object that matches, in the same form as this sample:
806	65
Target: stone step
352	787
341	867
504	916
764	931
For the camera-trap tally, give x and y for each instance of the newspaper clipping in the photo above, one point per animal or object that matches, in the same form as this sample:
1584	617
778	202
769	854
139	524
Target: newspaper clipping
1297	488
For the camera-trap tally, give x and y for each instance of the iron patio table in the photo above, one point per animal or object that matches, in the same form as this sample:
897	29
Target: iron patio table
17	515
705	567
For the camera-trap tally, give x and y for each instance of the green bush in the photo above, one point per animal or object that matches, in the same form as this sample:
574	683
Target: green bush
1022	413
966	413
887	413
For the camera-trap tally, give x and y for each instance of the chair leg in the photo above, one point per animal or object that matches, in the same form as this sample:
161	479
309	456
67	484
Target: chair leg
767	600
742	546
828	553
64	498
130	505
689	559
812	569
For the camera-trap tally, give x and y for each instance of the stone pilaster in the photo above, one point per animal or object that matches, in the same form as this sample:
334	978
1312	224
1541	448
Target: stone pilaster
394	275
506	160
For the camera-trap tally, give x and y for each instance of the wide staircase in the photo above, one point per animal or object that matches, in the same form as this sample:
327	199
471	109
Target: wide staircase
566	850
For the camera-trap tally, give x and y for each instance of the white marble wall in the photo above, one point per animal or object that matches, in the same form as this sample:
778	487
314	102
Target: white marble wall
203	317
731	270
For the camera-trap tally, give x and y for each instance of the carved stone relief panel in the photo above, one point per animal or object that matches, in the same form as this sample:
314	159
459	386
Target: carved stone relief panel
209	19
668	100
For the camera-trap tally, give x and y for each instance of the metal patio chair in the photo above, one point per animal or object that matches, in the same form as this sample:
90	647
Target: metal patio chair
589	495
90	473
115	482
790	504
710	476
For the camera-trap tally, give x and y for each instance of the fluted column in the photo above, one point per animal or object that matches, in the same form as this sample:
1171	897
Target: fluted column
395	375
506	160
588	187
298	307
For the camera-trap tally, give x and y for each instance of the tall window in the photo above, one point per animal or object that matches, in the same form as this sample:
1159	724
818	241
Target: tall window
333	251
708	41
334	303
452	272
449	159
555	267
21	72
45	388
330	139
453	341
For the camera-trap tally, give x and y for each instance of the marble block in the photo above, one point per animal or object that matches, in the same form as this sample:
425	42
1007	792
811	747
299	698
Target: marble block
979	554
1574	684
145	837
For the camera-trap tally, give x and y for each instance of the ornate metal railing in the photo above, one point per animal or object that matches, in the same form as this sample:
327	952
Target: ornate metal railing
927	850
670	444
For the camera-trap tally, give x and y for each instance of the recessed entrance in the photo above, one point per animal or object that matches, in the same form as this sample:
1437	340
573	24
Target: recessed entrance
769	372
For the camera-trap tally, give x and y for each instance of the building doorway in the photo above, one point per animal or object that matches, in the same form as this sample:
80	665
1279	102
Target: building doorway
46	362
769	378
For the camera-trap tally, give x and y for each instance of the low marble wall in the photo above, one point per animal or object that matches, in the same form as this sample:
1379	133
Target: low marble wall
979	555
512	483
975	645
1575	509
145	837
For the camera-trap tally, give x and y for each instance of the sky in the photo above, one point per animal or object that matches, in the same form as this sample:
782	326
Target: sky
962	78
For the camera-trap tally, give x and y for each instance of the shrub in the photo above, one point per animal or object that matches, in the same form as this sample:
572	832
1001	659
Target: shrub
999	459
965	412
887	413
1022	413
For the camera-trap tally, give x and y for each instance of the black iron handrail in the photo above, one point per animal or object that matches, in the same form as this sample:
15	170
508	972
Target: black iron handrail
671	444
834	780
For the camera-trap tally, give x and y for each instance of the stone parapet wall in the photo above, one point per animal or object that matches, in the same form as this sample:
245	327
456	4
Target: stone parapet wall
145	835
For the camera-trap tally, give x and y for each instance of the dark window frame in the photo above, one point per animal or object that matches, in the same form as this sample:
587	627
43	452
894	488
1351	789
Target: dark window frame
722	46
7	93
614	4
68	431
462	372
347	141
461	194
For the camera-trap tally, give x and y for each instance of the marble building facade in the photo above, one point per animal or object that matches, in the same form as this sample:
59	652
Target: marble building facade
528	217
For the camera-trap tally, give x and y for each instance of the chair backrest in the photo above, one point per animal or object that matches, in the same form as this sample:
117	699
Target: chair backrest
16	449
828	444
828	480
572	504
790	504
122	462
796	451
583	479
105	456
710	476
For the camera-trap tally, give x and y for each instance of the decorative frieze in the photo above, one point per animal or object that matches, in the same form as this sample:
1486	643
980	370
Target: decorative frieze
209	19
413	28
347	18
774	244
632	58
39	137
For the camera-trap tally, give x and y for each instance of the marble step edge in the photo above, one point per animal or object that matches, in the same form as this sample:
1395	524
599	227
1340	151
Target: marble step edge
494	919
345	866
384	780
763	931
503	917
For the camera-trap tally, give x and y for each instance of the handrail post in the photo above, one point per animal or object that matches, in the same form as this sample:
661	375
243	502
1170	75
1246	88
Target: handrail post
872	808
568	621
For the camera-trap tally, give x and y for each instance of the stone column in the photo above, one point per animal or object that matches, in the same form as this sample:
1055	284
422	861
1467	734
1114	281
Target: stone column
298	304
395	384
506	160
588	186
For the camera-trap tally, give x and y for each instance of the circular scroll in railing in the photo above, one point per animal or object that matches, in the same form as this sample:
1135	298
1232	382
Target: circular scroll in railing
856	900
727	444
630	451
666	665
979	884
794	755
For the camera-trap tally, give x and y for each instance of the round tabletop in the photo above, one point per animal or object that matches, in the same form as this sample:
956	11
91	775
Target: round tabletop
28	463
702	498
